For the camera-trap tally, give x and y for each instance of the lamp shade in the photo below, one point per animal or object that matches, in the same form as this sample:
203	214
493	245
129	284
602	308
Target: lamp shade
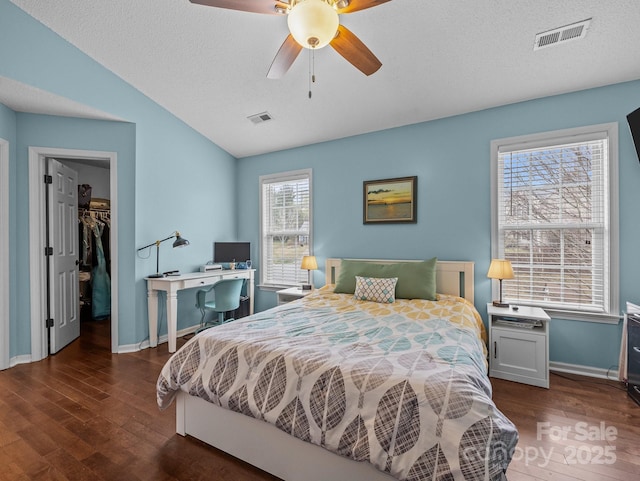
500	269
313	23
180	241
309	263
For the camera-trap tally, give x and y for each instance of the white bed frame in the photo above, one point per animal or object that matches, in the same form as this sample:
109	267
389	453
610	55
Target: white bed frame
272	450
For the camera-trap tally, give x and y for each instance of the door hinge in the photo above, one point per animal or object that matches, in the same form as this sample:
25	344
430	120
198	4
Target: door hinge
48	322
48	179
48	251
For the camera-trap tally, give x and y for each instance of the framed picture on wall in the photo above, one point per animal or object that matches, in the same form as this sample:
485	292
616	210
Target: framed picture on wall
390	200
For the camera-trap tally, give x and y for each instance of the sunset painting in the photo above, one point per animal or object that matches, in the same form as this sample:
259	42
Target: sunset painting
390	200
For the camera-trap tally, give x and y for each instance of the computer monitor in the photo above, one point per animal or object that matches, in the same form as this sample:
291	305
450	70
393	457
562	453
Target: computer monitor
231	252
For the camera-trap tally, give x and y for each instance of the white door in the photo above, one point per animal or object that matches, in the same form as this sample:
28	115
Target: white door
63	238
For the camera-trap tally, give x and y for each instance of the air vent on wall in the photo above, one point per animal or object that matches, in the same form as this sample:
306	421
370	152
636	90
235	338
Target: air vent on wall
259	118
575	31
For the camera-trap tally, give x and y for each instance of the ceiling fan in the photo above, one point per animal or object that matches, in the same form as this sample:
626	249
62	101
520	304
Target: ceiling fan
313	24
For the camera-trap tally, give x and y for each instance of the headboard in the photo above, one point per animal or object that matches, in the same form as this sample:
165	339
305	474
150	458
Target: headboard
452	277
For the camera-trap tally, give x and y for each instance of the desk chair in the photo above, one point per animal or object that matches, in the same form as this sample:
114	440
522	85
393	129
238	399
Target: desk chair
226	298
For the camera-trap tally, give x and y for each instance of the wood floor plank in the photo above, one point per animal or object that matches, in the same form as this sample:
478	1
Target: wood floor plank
71	467
87	414
25	457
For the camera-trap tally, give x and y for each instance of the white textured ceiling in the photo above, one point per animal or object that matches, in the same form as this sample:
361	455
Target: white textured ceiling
24	98
439	58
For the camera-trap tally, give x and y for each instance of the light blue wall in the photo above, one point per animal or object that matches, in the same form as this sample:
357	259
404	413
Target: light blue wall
451	158
169	177
8	133
82	134
182	181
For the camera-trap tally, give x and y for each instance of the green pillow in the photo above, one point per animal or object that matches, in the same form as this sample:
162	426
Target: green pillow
416	280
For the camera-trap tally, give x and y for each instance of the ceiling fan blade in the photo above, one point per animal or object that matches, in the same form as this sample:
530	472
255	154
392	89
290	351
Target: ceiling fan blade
256	6
355	5
355	52
285	57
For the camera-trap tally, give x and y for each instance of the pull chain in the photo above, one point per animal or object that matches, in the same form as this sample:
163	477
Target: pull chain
312	68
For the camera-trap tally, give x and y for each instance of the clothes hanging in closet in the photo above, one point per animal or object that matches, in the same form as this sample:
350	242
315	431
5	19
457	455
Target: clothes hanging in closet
93	232
101	283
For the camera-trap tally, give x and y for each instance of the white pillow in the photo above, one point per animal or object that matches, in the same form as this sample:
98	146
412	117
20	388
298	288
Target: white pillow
376	289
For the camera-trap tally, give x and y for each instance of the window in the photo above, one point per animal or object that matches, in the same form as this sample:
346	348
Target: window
555	217
285	231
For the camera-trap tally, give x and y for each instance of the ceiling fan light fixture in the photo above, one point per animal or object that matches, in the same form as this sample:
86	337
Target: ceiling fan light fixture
313	23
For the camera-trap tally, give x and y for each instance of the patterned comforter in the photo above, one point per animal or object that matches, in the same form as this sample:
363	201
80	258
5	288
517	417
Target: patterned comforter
402	386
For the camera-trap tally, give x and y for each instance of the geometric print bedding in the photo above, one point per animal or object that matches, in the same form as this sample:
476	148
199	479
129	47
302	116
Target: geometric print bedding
403	388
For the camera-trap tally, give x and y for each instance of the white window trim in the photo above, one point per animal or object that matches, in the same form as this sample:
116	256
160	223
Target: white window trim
283	177
613	315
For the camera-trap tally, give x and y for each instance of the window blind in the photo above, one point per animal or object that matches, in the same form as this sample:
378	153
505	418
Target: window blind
553	222
286	227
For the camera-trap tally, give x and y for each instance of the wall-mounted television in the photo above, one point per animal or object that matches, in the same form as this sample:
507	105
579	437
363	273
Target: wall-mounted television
231	252
634	125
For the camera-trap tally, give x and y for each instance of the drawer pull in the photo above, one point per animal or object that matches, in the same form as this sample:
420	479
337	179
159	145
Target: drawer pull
636	348
637	389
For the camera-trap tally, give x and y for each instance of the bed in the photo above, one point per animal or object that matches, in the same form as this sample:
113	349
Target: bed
349	389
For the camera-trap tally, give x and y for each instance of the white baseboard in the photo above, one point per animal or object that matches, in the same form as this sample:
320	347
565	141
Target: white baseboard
23	359
123	349
589	371
127	348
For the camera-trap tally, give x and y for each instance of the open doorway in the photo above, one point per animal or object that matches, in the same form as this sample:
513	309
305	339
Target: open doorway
92	229
40	305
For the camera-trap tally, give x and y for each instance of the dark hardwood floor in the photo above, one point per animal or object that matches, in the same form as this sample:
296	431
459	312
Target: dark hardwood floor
580	429
85	414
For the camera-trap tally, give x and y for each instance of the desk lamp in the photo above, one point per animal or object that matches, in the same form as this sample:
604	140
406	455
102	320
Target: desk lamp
179	242
500	269
310	264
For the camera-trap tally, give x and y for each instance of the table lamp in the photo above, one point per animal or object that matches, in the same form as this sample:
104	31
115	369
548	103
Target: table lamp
500	269
310	264
179	242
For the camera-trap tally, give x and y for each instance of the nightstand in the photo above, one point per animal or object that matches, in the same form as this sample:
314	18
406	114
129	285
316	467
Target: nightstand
519	354
291	294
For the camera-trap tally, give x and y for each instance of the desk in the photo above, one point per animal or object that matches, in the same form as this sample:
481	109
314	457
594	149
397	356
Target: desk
172	284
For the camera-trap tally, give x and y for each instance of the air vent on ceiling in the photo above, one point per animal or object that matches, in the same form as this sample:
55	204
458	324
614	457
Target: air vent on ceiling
575	31
259	118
